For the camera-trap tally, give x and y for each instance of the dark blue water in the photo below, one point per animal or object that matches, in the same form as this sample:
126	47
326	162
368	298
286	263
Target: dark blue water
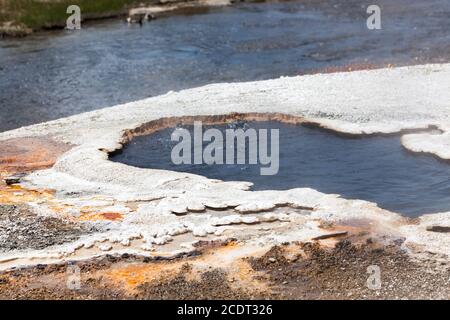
55	74
376	169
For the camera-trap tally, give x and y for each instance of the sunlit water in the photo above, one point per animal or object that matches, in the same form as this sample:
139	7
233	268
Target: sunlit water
55	74
376	169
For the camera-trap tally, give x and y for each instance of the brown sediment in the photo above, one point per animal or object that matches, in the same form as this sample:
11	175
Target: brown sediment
167	122
343	273
29	154
290	271
213	284
132	277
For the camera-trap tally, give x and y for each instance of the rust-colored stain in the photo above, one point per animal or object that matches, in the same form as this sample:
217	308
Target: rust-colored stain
90	215
239	272
132	275
15	194
28	154
112	215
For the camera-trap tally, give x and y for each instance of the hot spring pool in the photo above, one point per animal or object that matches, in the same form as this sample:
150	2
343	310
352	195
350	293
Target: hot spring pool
375	168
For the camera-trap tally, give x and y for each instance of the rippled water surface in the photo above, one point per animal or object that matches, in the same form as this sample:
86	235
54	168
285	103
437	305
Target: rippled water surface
376	169
55	74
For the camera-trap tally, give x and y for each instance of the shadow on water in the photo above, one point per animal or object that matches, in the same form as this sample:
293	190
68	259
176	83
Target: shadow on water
55	74
375	168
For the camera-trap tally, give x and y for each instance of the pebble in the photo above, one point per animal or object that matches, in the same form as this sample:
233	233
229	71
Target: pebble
105	247
12	180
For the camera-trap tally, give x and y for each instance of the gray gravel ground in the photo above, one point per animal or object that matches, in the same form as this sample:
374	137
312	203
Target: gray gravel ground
21	228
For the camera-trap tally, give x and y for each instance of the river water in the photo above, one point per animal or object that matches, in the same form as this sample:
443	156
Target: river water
60	73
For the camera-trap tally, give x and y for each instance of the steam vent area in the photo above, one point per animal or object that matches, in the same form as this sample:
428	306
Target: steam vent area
356	175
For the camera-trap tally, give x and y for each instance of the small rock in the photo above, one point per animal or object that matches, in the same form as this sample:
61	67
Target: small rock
146	259
438	228
125	242
331	235
12	180
105	247
272	260
147	247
